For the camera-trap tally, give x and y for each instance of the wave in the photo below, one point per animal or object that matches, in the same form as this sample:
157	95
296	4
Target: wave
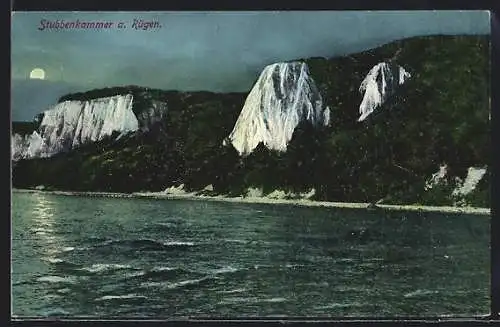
64	264
176	220
236	241
189	282
167	225
237	290
224	270
144	244
155	285
162	226
178	243
274	300
52	297
161	269
177	285
293	266
53	260
158	276
253	242
63	291
322	284
105	267
374	259
278	266
253	300
349	289
339	306
56	279
418	293
322	258
135	274
120	297
21	282
42	230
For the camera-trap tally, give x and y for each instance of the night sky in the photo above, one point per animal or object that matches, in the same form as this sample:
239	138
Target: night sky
214	51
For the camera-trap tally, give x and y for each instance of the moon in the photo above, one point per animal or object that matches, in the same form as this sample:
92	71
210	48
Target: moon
37	73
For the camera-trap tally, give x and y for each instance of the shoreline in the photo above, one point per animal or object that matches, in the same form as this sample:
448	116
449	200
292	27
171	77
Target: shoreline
264	200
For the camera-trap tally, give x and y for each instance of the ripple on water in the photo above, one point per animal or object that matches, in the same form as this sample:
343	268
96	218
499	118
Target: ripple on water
134	274
233	300
234	291
56	279
339	306
158	273
144	244
274	300
52	260
419	293
105	267
236	241
42	231
120	297
293	266
225	270
349	289
168	225
176	285
189	282
321	284
162	268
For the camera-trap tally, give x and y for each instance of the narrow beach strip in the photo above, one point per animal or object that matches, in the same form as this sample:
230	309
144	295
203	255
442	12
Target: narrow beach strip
264	200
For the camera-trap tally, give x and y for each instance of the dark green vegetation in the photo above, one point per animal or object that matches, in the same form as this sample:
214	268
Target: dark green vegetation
439	116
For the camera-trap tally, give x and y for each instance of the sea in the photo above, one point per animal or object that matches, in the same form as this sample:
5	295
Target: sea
86	257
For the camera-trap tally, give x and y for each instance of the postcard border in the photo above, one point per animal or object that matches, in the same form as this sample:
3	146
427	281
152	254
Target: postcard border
150	5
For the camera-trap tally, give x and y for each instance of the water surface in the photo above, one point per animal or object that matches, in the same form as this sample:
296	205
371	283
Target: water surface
145	258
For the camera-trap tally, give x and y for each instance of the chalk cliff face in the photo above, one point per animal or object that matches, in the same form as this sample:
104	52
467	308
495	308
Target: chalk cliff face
28	146
283	96
69	124
381	82
456	188
474	176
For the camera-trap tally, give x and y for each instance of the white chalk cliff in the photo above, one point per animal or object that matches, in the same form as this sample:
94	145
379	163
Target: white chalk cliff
380	83
461	187
437	178
283	96
474	176
29	146
70	124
